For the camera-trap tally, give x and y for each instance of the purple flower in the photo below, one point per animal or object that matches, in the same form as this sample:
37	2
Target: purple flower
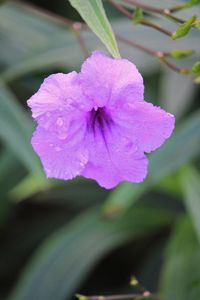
96	123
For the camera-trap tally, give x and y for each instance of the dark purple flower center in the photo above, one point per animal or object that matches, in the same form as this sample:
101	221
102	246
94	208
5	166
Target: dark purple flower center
99	119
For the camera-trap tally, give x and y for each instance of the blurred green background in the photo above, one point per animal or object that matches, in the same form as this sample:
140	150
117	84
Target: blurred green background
61	238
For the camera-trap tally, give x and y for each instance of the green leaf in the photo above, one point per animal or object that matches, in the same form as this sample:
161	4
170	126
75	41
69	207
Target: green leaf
44	43
16	130
197	80
62	262
196	72
11	171
29	186
180	278
173	154
184	28
137	15
92	12
171	185
196	67
180	104
7	160
81	297
190	180
192	3
188	4
197	24
180	53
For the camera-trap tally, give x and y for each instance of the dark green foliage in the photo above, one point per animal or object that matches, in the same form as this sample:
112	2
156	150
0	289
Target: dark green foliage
61	238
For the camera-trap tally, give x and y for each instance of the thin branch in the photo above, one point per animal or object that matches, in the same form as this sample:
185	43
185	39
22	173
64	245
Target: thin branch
158	54
76	27
144	295
175	68
113	297
148	23
166	12
120	8
81	40
173	18
157	27
146	7
178	7
138	46
45	13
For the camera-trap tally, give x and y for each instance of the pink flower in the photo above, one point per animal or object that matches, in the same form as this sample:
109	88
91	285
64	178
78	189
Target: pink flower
96	123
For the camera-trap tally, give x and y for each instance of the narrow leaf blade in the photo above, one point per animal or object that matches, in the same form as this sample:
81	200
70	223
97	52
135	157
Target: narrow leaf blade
63	261
93	13
190	180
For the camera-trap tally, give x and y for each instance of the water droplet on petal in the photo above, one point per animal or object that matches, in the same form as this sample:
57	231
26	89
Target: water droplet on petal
59	121
68	104
58	149
129	146
83	159
128	105
81	106
46	125
62	135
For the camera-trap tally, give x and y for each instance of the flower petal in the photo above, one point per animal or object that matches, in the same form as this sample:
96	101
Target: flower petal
105	80
148	125
58	92
61	158
112	160
96	123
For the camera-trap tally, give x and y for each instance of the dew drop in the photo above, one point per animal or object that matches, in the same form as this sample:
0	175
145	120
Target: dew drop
68	104
46	125
62	135
129	146
58	149
129	105
59	121
83	159
81	106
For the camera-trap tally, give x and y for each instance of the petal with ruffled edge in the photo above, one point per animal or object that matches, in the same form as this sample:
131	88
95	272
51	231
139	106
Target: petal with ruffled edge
96	123
105	80
112	160
58	92
61	158
145	124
